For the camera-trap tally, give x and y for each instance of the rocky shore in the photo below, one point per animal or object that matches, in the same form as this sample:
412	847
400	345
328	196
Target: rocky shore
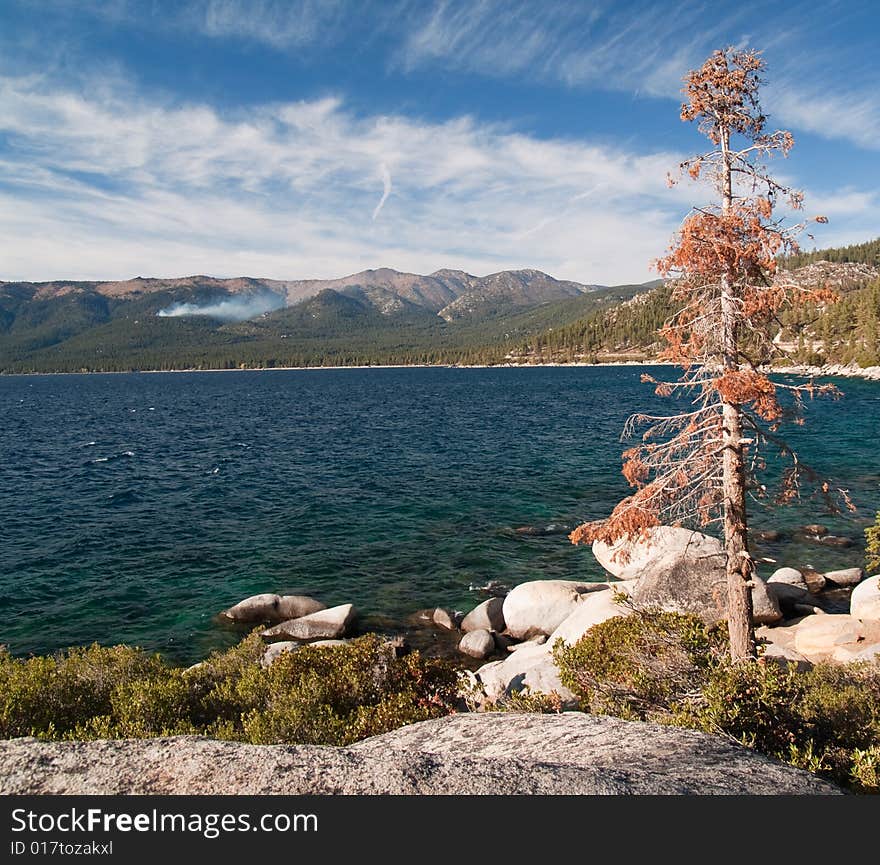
504	645
850	370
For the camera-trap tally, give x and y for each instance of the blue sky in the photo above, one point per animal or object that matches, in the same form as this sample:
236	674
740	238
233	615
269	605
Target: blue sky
314	139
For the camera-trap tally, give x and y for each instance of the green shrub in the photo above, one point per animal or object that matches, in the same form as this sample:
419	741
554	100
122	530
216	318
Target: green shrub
50	696
639	666
872	547
326	695
826	720
672	669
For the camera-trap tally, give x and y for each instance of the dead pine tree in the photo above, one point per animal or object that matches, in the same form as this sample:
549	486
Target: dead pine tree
697	466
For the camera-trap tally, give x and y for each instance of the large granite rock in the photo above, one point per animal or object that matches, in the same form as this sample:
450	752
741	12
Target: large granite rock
462	754
865	600
662	546
540	606
683	571
595	608
272	608
530	667
327	624
488	616
817	637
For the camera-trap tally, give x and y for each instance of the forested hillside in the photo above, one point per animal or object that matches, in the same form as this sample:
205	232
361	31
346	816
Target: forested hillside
77	328
384	317
859	253
844	332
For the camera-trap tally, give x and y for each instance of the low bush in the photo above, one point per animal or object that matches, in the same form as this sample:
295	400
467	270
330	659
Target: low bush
672	669
640	667
330	695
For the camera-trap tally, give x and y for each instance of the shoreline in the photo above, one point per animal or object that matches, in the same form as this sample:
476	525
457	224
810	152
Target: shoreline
870	373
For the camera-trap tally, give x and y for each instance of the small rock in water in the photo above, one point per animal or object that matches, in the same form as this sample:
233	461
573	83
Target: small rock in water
444	619
814	580
488	616
815	529
494	588
846	577
835	541
478	644
543	531
325	624
770	536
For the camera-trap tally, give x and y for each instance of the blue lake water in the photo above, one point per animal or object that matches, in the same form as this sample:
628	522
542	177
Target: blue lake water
135	507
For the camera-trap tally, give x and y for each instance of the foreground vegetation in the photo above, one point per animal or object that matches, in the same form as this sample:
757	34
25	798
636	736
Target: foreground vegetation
319	696
660	667
670	668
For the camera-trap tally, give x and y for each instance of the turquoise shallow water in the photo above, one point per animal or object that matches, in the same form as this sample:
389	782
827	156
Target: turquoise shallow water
134	507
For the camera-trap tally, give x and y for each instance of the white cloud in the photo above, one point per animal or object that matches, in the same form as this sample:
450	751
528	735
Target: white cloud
112	185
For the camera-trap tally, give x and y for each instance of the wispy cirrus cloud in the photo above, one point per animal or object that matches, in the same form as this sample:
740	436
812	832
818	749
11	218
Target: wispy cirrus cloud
646	47
825	80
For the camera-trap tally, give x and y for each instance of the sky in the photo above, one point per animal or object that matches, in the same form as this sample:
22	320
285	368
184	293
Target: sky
317	138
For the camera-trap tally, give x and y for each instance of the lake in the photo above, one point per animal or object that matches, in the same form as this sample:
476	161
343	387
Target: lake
135	507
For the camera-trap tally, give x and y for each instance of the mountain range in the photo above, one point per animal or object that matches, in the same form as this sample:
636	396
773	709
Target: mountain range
378	315
384	316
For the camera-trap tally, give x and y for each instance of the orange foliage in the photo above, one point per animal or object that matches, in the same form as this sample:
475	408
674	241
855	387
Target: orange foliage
628	519
723	93
742	387
735	244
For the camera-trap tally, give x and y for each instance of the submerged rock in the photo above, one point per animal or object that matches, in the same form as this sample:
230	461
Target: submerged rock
835	541
543	531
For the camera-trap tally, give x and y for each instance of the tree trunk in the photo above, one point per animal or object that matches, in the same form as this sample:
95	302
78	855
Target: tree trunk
739	562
